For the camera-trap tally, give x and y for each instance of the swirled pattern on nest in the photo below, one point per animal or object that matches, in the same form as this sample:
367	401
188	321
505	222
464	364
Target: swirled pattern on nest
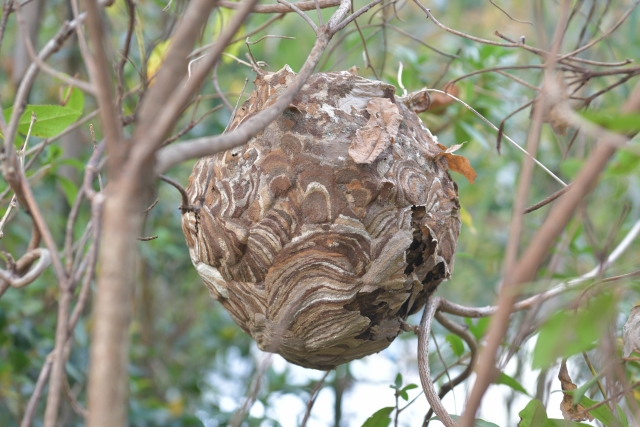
317	257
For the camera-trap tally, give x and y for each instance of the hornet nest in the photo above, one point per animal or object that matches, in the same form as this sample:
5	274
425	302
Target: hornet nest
325	231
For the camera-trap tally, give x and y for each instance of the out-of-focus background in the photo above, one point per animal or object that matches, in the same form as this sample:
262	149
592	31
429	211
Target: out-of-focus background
191	365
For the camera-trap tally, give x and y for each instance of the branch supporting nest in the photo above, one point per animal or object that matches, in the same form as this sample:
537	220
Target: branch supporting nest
430	309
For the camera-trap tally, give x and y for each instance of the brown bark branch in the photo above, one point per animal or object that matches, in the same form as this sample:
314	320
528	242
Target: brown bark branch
280	8
174	65
177	153
424	332
101	79
165	119
527	266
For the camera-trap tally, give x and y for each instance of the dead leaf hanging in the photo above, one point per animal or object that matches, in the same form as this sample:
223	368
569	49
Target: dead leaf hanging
459	164
569	410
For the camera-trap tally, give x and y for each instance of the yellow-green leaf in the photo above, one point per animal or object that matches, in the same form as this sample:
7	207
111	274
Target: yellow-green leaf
50	119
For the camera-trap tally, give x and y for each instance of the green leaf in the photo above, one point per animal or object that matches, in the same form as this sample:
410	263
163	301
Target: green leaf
398	381
602	413
380	418
409	387
476	423
535	415
511	382
403	393
50	119
580	391
566	333
617	122
75	100
457	346
625	163
622	416
478	328
69	188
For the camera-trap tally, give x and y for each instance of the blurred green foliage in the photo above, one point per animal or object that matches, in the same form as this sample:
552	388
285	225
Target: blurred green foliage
190	363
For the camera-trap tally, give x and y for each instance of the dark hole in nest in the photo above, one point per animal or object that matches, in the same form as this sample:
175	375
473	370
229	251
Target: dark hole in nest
366	305
414	254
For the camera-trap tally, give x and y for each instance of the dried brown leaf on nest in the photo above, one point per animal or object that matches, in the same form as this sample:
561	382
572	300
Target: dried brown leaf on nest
378	133
458	163
569	410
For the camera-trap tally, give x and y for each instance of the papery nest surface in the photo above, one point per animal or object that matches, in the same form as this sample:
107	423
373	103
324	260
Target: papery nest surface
325	231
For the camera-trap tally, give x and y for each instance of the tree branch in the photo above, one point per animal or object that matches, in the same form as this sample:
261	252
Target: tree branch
527	266
177	153
433	304
277	8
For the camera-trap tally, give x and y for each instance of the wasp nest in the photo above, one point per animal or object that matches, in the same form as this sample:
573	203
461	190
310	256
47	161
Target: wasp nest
324	232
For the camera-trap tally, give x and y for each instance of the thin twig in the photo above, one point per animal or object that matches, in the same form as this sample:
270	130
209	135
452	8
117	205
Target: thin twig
625	243
547	200
509	16
185	206
80	84
312	399
174	154
252	393
293	7
463	333
505	136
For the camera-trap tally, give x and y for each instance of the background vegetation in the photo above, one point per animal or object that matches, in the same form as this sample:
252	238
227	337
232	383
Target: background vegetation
190	364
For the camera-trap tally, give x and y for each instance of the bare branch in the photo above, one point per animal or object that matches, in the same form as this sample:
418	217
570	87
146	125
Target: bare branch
433	304
547	200
463	333
509	16
44	259
604	35
174	66
155	127
527	266
312	399
276	8
177	153
416	39
252	393
293	7
354	15
101	79
80	84
10	161
515	144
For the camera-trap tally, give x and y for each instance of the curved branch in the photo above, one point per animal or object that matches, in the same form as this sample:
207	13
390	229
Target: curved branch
44	259
463	333
474	312
433	304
